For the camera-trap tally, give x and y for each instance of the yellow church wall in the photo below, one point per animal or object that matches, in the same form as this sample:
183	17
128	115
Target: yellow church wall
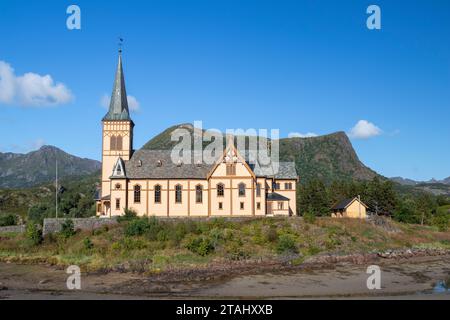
225	199
276	211
118	192
262	198
178	209
139	207
158	209
291	194
247	200
198	209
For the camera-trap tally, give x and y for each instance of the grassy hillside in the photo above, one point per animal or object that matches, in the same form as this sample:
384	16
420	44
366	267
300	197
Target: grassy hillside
330	157
152	245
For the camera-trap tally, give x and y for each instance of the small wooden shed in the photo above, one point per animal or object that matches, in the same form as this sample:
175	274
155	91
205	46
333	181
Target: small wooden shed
349	208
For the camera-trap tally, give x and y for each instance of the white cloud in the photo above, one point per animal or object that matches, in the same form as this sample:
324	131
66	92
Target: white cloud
31	89
25	147
133	104
37	144
364	130
302	135
104	101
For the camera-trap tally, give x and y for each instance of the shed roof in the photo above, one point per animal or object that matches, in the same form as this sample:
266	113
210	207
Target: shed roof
343	204
276	197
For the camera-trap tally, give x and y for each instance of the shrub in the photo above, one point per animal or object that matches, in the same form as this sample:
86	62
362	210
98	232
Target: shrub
309	217
235	251
129	244
137	227
67	229
286	243
313	250
441	220
38	212
216	235
162	235
101	230
87	243
200	245
33	234
129	215
271	234
8	220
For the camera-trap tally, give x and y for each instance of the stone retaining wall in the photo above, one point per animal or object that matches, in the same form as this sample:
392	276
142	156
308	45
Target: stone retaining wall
53	225
8	229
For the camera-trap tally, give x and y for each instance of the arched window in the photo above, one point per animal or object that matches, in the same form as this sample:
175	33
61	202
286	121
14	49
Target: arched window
199	194
137	194
119	143
258	189
116	143
220	191
178	190
157	194
112	142
241	190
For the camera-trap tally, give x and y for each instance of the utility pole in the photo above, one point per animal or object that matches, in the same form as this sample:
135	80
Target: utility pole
359	203
56	190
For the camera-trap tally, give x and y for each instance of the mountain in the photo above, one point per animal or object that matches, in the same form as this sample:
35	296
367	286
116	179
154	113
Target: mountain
327	157
433	186
410	182
79	191
37	167
404	181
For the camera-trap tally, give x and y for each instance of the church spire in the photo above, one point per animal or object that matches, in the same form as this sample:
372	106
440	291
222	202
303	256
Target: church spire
118	107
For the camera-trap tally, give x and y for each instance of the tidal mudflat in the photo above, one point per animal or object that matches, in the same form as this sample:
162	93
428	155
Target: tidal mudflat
418	278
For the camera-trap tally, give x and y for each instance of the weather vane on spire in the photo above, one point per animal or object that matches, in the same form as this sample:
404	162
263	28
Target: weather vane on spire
120	44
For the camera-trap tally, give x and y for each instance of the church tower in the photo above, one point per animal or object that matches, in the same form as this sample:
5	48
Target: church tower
117	135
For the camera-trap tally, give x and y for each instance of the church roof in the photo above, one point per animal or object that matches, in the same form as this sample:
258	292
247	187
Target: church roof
118	107
286	170
158	164
276	197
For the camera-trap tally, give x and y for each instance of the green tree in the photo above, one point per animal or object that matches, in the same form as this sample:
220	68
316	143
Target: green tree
425	206
313	198
33	234
67	228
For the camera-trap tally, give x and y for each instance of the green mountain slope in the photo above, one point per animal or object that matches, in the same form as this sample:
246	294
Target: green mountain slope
37	167
79	191
328	157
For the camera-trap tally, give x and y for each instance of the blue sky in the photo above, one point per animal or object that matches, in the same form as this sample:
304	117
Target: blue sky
300	66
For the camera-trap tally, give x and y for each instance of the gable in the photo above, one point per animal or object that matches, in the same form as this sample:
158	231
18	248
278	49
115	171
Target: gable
231	158
119	169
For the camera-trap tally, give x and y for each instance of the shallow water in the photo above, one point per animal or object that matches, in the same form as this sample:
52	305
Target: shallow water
442	286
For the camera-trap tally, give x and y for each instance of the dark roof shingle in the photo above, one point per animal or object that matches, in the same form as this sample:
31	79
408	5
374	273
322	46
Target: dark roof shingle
144	165
276	197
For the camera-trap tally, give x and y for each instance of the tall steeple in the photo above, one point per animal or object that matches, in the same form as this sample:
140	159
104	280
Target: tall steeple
118	107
